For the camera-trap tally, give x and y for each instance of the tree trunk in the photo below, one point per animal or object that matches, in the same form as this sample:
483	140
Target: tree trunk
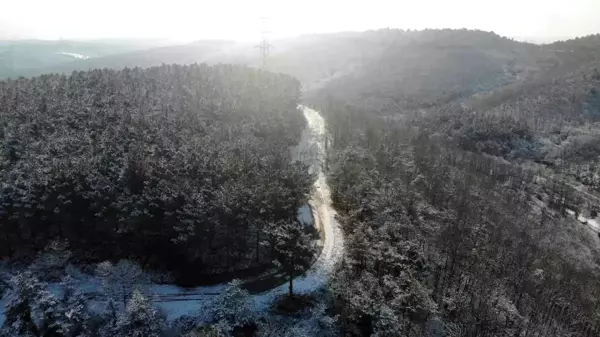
257	243
292	266
8	245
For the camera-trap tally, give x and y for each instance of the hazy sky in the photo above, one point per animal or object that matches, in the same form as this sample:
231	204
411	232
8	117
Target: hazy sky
239	19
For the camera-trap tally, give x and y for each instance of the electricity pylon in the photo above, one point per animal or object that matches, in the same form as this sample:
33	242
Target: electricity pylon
264	46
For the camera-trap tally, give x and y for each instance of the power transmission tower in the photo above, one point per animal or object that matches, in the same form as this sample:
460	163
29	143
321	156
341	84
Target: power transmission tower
264	46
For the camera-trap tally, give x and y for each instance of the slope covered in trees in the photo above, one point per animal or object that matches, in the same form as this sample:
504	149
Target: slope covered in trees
549	122
179	167
451	227
485	94
425	68
441	239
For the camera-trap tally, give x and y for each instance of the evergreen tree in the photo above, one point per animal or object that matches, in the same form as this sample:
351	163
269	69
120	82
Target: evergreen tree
51	263
31	310
387	323
232	308
73	315
19	315
120	280
140	318
109	318
48	310
293	248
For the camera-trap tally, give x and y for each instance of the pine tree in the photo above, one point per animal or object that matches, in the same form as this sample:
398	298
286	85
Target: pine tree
31	310
47	311
233	307
120	280
51	263
387	323
19	316
434	327
109	319
73	314
140	318
293	248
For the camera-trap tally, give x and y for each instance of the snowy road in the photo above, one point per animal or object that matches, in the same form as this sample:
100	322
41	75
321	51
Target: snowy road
311	151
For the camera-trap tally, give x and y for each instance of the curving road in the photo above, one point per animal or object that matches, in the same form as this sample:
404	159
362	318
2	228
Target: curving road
311	151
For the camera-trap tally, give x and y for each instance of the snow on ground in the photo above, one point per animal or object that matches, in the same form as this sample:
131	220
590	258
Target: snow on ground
305	215
593	223
2	305
174	300
177	301
590	222
75	55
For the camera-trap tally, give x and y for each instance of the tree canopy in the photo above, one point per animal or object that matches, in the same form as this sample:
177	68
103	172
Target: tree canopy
178	167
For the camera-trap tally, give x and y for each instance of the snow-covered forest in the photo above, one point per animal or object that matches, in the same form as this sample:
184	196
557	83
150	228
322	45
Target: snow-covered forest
117	184
180	168
460	213
440	239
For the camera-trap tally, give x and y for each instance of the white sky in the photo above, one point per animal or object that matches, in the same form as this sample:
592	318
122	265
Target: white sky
239	19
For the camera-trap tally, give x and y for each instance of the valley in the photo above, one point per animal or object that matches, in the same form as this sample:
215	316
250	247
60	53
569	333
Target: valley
452	177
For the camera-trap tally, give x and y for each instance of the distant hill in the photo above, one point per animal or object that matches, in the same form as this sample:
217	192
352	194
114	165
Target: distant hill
427	68
320	58
28	57
385	71
178	54
396	72
310	58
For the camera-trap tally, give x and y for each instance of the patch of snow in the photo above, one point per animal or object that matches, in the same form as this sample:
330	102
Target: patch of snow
594	224
2	306
173	300
178	309
169	291
305	215
75	55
